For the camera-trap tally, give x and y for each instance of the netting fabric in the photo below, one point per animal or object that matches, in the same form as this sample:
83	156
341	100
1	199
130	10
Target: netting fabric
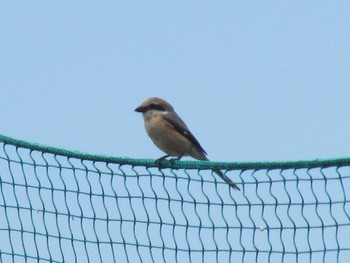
62	206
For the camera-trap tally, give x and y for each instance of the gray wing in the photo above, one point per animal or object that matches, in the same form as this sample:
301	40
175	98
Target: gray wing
175	121
178	124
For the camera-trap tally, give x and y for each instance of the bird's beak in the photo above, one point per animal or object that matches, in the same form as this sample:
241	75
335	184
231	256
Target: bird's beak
139	109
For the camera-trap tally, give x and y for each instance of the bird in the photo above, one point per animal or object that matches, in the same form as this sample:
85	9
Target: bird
171	135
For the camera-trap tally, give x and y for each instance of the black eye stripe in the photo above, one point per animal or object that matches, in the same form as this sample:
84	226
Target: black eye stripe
156	107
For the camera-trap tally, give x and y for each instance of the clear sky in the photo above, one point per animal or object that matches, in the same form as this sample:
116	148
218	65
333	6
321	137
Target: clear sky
253	80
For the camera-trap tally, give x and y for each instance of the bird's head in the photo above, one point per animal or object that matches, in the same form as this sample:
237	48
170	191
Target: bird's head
154	106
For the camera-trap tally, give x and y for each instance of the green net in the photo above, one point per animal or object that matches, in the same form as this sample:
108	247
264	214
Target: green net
64	206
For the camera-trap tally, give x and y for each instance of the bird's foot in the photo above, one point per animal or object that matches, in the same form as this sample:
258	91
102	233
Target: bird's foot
172	160
159	160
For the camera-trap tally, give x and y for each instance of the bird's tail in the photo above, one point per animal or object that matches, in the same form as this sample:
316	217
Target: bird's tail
200	155
226	179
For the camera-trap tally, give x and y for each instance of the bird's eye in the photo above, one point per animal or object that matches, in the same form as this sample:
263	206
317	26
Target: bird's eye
154	106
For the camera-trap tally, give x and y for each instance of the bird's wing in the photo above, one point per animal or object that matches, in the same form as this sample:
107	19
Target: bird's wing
178	124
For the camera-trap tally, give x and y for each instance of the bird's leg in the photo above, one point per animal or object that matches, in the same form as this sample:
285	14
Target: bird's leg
159	160
176	158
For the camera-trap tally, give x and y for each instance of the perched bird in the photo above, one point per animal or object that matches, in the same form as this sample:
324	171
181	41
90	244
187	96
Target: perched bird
170	134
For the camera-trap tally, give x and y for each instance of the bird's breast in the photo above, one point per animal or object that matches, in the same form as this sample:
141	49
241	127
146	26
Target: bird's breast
166	138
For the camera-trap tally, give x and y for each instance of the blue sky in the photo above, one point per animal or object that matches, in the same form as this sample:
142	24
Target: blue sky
252	80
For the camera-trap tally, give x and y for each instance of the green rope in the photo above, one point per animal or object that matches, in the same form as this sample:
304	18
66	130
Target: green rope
308	164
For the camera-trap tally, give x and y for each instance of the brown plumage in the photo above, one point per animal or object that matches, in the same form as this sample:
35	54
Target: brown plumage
170	134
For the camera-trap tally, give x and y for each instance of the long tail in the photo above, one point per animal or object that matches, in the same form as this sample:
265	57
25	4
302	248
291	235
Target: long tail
200	154
227	180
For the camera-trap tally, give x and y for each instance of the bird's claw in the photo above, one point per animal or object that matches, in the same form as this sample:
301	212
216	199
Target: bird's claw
160	160
172	160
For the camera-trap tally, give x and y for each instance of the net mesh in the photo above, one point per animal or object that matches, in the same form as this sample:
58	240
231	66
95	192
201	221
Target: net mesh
64	206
